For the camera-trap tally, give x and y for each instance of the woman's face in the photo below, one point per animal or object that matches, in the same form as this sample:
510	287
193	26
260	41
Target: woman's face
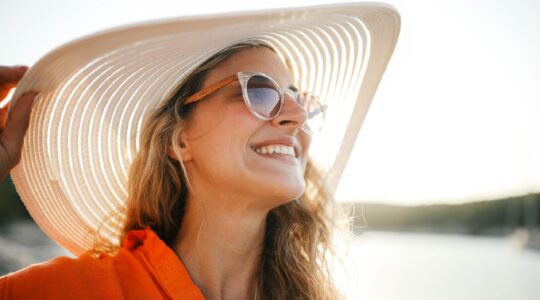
222	136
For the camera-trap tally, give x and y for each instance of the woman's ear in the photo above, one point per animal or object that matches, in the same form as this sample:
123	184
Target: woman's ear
183	150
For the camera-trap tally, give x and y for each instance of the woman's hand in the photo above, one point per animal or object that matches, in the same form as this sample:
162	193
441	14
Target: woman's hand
14	126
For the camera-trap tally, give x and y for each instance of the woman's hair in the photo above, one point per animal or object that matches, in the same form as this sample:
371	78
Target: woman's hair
297	240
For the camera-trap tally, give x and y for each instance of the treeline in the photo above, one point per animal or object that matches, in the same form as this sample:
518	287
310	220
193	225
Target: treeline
11	206
491	217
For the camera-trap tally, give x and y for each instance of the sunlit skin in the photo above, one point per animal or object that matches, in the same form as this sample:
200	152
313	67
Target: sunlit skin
233	187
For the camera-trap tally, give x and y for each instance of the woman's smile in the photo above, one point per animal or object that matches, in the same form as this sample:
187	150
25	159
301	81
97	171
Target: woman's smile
285	149
280	156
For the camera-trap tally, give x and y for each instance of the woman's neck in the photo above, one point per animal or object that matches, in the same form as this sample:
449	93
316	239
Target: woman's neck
221	246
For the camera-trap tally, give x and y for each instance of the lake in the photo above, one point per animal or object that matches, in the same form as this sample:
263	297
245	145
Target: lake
380	265
390	265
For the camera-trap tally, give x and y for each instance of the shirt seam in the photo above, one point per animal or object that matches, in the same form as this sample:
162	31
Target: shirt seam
147	266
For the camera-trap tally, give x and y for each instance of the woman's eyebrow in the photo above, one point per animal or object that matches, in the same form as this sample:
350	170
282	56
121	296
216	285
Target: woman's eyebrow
293	88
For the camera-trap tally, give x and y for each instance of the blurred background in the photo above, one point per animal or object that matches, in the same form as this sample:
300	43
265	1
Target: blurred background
444	179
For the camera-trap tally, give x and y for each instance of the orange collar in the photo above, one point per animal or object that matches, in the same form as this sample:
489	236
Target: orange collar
162	264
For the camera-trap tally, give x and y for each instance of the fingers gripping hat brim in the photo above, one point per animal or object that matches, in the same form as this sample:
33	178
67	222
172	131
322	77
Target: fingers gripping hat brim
96	92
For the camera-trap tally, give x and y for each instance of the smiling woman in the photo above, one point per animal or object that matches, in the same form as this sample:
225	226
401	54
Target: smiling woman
235	202
185	170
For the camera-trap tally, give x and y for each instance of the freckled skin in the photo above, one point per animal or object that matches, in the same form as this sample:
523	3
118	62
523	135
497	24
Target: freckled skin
218	155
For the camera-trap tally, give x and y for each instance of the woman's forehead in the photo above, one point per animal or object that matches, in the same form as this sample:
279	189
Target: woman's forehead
260	59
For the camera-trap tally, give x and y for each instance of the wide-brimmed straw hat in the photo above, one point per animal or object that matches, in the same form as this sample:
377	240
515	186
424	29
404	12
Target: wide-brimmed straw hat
96	92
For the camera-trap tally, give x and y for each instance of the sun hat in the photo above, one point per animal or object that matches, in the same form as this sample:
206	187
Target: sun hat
96	92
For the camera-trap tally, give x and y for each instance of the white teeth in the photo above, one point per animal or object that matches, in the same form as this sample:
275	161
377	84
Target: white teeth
281	149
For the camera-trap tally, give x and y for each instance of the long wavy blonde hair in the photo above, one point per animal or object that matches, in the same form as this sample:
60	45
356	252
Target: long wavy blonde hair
298	234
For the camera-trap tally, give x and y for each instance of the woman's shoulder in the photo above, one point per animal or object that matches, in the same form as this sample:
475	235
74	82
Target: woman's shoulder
143	268
85	264
63	276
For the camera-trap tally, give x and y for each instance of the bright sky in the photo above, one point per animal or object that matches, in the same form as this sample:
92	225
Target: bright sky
456	116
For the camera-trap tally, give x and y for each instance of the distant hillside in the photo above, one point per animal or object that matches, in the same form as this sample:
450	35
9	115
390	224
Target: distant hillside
485	217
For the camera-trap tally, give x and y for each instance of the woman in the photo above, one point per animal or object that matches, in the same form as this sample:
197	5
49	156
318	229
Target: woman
222	236
223	202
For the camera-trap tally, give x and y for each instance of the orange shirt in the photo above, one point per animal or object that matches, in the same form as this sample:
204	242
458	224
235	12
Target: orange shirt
144	268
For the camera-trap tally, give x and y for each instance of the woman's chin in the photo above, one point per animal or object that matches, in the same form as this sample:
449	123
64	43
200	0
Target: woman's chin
285	192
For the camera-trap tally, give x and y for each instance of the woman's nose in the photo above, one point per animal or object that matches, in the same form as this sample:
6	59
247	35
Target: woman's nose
292	114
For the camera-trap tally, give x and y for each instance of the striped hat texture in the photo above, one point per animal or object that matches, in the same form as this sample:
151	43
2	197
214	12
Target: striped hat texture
97	90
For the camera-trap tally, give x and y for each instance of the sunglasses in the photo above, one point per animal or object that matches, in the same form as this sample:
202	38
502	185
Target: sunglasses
264	98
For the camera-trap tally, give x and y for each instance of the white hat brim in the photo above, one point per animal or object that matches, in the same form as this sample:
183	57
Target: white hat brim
96	91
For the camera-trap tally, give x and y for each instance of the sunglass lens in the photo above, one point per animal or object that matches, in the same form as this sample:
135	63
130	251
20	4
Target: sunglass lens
263	96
